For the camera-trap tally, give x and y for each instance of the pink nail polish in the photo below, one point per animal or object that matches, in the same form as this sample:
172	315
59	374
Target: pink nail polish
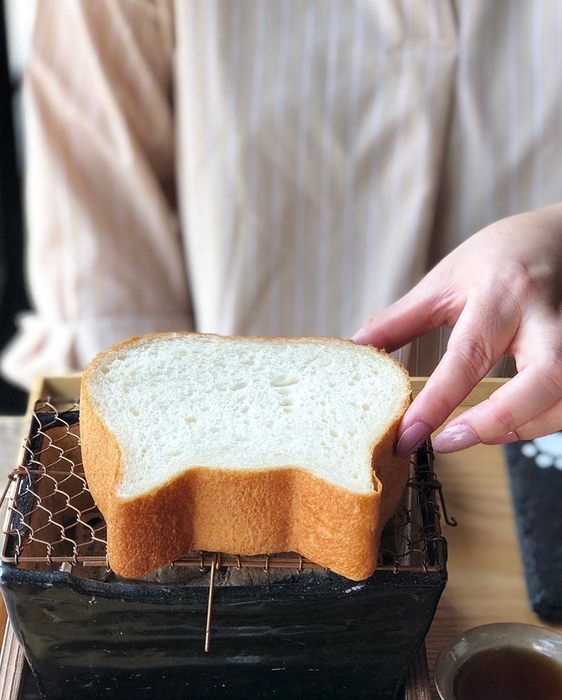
412	438
454	438
360	337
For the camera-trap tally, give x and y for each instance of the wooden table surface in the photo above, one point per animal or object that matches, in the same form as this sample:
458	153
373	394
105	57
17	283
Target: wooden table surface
11	439
486	582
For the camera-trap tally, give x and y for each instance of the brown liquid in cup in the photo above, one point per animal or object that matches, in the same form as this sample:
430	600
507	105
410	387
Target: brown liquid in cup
509	674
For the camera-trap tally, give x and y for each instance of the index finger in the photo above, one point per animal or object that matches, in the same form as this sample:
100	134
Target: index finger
408	318
476	344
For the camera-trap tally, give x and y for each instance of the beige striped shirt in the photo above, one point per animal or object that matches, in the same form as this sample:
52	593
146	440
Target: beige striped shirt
275	167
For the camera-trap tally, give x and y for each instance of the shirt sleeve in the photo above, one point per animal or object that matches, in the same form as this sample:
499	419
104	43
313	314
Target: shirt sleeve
104	258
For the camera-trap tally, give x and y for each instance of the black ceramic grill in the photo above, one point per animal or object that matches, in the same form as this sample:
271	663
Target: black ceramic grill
55	542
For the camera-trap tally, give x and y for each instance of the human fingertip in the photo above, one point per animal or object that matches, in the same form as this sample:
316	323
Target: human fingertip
412	438
454	438
362	336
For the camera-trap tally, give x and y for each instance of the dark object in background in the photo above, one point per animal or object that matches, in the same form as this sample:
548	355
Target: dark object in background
13	298
537	499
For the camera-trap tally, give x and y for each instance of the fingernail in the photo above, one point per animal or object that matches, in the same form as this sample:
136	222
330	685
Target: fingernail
361	336
412	438
455	437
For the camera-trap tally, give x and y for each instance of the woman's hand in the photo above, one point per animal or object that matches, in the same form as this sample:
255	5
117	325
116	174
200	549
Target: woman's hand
501	291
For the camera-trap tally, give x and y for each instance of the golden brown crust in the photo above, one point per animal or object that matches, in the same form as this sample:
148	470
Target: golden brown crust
240	512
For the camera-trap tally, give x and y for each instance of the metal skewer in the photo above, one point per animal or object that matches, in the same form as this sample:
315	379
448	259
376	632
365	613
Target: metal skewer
214	565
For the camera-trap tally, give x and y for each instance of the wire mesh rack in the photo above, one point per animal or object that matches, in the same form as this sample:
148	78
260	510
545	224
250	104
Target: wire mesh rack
53	523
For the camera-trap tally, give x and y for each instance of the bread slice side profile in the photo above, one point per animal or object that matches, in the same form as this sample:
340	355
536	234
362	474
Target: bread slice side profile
243	445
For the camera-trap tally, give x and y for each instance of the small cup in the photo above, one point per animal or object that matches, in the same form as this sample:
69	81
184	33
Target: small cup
491	638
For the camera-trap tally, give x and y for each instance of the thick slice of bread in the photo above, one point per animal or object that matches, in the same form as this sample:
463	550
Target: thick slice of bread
243	445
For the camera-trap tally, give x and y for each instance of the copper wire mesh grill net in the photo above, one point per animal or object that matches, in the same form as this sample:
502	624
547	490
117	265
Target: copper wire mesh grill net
52	521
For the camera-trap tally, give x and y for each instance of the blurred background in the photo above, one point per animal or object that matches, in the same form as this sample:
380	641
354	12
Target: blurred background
16	24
